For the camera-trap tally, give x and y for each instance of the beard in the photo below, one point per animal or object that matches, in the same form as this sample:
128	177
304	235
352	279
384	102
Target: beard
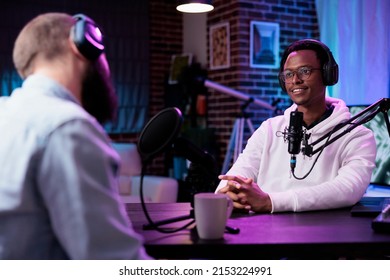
98	96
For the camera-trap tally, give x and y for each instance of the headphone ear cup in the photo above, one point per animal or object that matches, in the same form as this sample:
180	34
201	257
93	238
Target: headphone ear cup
330	73
87	37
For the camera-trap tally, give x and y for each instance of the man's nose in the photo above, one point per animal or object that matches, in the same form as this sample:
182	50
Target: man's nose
296	79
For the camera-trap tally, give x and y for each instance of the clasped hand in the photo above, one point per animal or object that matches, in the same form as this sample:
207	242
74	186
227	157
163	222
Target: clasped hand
246	194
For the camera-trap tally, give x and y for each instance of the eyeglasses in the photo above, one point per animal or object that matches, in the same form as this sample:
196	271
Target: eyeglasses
303	74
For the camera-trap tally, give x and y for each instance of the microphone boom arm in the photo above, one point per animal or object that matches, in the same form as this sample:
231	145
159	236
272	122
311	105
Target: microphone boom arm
382	105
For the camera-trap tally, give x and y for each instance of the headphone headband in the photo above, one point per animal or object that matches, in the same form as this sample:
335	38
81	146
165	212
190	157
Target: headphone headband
87	37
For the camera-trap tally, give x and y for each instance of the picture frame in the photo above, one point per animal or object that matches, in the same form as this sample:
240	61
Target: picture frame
219	39
178	63
264	44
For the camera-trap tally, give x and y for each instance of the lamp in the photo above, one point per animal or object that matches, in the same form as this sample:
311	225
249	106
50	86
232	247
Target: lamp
194	6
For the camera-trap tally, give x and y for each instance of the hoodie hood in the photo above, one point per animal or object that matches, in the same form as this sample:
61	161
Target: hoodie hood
340	113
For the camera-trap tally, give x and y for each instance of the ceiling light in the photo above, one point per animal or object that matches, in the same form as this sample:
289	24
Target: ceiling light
195	6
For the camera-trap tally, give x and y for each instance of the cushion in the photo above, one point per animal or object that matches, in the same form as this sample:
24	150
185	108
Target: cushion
130	159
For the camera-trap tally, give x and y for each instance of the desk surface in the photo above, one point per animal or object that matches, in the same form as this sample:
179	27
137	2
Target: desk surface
330	234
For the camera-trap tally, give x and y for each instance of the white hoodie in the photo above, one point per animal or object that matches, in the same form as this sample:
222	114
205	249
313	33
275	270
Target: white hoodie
338	179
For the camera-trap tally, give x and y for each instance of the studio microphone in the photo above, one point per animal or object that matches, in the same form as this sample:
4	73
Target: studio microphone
294	136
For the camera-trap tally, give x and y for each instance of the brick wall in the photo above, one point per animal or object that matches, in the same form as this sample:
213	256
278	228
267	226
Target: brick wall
165	41
297	20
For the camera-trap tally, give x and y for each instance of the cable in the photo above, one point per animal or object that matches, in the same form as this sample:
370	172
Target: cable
334	129
151	223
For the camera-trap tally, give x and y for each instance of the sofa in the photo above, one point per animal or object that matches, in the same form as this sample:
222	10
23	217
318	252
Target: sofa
155	188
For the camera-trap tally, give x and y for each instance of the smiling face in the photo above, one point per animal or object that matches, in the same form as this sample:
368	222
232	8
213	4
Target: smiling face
309	93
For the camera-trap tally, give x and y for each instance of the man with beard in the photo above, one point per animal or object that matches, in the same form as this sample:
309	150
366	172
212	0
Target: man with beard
263	179
58	187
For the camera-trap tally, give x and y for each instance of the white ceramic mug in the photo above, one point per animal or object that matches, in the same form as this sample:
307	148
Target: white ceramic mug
212	211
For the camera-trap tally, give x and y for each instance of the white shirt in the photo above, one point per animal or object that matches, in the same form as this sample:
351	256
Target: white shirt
58	187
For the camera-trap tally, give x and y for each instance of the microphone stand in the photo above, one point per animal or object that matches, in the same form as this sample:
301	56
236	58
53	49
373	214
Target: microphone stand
382	105
155	225
170	221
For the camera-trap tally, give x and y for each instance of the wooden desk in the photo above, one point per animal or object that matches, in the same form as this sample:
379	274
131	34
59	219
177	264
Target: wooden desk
317	235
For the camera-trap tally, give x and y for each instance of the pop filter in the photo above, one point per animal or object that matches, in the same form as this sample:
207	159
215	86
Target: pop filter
159	133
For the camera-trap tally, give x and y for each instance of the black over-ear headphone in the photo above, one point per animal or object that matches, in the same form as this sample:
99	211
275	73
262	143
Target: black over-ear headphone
87	37
330	69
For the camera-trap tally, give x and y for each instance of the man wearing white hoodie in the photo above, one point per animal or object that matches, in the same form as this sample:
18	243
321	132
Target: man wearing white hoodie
261	179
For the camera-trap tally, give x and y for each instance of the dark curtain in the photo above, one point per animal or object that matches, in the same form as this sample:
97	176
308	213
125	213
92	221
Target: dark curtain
129	60
125	25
